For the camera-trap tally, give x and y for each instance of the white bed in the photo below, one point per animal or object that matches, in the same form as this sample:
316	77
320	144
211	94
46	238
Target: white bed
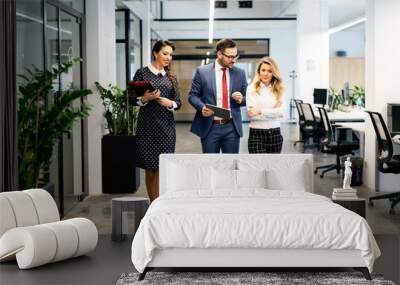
220	211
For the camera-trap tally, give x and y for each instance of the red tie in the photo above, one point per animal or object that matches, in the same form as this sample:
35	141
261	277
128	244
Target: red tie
224	89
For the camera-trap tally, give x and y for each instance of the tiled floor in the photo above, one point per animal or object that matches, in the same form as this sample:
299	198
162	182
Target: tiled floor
385	227
110	259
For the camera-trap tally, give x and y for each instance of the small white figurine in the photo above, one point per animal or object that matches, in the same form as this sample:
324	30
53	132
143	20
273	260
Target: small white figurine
347	174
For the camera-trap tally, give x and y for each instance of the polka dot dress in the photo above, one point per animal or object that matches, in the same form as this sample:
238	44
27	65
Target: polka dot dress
156	126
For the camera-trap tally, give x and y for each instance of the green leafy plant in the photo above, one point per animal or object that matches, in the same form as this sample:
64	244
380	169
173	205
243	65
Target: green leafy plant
357	95
120	115
43	116
336	98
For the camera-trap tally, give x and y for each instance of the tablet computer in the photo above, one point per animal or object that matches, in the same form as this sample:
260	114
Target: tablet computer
220	112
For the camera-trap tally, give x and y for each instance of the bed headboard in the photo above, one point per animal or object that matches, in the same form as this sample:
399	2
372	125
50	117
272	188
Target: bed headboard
237	161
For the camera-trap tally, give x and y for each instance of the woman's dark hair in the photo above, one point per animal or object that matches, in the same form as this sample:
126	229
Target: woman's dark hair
224	44
156	48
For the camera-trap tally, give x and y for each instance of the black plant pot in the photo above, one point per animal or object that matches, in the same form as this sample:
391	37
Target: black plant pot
49	187
119	171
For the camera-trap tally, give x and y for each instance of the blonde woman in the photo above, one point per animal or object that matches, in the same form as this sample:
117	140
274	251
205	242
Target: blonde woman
264	108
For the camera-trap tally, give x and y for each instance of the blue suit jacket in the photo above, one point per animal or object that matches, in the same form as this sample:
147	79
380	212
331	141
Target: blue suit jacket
204	91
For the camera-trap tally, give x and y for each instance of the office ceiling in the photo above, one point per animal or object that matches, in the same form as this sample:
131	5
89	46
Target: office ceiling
340	11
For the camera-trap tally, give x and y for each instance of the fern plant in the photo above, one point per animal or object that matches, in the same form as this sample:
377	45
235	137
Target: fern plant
120	115
41	125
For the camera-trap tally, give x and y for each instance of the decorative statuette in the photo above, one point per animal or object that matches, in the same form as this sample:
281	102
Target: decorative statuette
347	174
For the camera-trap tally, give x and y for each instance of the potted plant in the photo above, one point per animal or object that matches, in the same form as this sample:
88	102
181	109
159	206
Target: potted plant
336	98
357	96
119	171
43	116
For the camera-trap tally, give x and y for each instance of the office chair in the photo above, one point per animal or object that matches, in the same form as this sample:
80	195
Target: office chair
310	128
301	120
387	162
339	147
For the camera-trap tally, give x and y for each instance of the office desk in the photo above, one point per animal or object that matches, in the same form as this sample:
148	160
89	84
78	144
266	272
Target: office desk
359	129
355	115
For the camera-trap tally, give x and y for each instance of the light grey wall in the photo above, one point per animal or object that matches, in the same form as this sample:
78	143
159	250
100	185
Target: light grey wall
101	67
351	41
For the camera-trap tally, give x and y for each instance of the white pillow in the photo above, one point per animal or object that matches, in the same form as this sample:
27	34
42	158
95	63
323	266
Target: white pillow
282	174
224	179
291	178
251	178
183	177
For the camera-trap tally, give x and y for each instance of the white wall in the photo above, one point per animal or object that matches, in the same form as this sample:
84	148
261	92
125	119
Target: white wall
382	63
282	35
283	49
101	67
353	42
312	48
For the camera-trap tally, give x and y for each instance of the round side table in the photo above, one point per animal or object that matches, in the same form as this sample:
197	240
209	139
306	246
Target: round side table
119	206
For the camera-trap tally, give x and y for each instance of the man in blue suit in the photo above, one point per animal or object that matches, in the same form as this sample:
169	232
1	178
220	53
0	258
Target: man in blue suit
224	85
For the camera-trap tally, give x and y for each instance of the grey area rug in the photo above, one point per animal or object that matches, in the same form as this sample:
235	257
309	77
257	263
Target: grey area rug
229	278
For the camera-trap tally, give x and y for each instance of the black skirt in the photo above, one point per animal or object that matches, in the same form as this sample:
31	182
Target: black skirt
265	140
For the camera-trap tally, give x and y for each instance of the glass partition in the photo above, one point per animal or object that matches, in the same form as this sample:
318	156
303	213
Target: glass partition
29	35
49	33
129	45
78	5
70	41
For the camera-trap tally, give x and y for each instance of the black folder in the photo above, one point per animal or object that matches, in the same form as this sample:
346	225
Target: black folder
140	87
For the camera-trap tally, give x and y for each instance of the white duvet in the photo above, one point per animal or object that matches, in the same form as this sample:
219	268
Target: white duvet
253	218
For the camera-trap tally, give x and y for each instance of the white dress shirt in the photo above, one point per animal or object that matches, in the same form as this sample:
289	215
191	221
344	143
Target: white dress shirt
156	71
270	117
218	79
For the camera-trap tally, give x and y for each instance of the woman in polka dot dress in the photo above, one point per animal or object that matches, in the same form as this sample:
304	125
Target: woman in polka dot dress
156	126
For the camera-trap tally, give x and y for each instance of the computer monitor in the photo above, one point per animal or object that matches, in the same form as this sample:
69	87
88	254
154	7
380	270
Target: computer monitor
320	96
393	111
346	92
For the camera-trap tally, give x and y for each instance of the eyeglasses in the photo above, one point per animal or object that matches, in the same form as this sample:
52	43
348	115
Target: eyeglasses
231	57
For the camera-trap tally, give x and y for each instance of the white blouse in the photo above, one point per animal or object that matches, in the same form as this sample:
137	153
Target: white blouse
265	101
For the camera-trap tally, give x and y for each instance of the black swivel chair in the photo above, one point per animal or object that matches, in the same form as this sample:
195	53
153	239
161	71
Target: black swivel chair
339	148
387	162
301	120
310	128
